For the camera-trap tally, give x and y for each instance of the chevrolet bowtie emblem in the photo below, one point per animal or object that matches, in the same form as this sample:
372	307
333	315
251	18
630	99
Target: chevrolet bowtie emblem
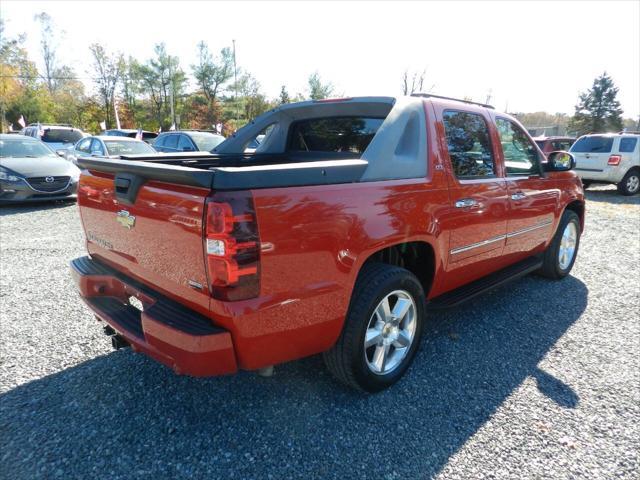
125	219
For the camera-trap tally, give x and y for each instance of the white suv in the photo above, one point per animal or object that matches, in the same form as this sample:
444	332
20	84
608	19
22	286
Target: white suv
609	158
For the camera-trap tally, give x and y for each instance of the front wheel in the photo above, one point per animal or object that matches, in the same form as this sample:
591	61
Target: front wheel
561	253
382	330
630	184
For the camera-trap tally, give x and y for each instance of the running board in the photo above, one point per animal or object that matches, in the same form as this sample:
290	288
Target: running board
483	285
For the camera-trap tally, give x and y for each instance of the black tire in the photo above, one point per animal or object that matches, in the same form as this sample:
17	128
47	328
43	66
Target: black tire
346	360
551	267
586	184
630	184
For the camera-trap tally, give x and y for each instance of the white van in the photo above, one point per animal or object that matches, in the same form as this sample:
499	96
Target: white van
609	158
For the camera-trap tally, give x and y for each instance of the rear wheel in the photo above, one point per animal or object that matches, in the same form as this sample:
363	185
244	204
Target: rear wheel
560	255
630	184
382	330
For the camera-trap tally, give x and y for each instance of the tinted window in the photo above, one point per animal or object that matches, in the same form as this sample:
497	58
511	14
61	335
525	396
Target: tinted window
593	144
520	154
159	141
116	147
627	144
206	141
171	142
468	143
561	145
185	145
343	134
540	144
61	136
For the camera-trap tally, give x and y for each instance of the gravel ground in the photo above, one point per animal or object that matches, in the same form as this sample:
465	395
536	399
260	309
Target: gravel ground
535	380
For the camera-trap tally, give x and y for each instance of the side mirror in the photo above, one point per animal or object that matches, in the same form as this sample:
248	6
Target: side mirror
559	161
61	153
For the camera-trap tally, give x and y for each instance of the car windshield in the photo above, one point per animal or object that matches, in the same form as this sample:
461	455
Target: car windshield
206	141
59	135
24	148
593	144
123	147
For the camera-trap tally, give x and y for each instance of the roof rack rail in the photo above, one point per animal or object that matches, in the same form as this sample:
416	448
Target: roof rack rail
632	132
430	95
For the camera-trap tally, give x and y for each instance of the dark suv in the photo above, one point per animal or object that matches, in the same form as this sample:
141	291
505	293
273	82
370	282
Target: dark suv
187	141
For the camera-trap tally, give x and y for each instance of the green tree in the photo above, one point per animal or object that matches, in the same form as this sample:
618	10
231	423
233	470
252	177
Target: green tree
284	96
164	81
317	89
598	109
211	73
108	70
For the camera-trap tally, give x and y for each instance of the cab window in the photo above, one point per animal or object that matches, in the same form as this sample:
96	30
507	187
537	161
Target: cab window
96	147
627	144
468	144
520	153
84	145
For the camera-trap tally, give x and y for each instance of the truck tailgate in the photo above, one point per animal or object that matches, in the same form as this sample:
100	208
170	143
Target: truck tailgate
156	238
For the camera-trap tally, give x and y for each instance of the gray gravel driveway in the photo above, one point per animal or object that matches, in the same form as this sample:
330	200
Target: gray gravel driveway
535	380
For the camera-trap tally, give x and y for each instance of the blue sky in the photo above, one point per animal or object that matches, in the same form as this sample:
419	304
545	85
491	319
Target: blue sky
529	56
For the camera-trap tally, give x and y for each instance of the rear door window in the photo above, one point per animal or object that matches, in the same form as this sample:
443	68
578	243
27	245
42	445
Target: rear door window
185	145
593	144
171	142
336	134
468	144
628	144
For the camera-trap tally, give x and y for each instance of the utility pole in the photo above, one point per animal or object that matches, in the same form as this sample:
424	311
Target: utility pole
235	80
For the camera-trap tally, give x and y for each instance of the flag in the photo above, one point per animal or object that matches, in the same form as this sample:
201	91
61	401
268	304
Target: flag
159	130
219	127
139	134
172	127
22	122
11	127
103	125
40	130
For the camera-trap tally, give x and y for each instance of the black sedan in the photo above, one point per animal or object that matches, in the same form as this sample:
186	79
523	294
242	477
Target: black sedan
30	171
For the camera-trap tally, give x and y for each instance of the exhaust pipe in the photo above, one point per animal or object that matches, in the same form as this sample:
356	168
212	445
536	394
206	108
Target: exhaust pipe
118	342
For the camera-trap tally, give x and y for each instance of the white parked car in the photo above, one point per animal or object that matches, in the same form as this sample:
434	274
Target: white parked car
609	158
108	146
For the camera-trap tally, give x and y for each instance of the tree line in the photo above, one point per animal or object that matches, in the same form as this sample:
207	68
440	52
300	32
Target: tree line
153	94
149	94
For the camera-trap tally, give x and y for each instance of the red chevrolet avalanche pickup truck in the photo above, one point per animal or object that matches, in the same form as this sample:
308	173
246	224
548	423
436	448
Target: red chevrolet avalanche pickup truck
351	223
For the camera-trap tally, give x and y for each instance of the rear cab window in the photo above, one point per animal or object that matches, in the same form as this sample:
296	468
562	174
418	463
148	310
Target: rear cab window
350	135
468	144
593	144
61	136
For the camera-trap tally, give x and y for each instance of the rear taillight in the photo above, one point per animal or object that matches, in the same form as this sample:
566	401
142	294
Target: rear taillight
614	160
232	246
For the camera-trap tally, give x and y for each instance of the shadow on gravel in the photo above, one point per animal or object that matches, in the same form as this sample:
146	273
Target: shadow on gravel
610	195
124	416
12	209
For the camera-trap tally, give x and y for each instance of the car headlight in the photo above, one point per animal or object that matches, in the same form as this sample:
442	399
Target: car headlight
8	177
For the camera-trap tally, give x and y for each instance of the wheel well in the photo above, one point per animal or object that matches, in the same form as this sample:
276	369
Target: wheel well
578	207
417	257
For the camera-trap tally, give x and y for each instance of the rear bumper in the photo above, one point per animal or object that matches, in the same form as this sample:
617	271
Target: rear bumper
166	331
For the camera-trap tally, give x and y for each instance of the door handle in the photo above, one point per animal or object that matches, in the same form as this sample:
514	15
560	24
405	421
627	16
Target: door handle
466	202
518	196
